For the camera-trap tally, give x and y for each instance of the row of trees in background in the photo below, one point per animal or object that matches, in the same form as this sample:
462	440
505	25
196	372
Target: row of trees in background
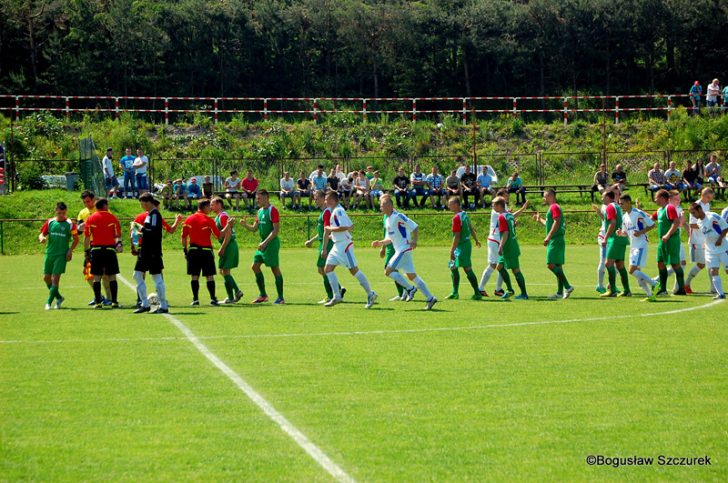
359	47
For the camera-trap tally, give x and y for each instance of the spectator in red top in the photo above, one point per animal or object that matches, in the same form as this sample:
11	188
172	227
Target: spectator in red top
250	188
102	241
196	232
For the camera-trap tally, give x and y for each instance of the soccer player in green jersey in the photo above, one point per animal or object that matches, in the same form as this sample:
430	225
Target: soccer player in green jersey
461	249
668	246
267	224
509	251
616	241
555	243
228	253
57	233
323	221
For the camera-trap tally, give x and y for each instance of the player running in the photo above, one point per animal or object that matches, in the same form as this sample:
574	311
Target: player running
228	254
696	240
89	201
509	251
555	244
267	224
57	233
402	234
616	243
668	247
387	252
342	253
102	241
324	220
461	249
493	243
636	223
714	229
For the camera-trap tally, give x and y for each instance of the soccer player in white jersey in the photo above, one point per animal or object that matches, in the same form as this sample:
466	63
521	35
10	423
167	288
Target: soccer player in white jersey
493	246
724	213
714	229
636	223
402	235
697	240
602	267
342	253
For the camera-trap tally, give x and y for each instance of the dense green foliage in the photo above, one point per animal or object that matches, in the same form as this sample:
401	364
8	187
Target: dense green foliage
359	47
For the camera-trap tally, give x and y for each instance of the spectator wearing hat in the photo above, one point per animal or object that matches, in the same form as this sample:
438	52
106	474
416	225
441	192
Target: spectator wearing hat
696	91
193	190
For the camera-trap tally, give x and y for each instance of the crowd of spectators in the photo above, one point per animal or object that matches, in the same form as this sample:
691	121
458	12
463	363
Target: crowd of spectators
716	98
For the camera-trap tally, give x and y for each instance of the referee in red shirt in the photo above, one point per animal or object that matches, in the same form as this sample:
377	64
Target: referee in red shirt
102	241
196	231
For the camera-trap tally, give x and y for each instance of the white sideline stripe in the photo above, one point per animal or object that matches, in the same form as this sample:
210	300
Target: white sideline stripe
367	332
300	439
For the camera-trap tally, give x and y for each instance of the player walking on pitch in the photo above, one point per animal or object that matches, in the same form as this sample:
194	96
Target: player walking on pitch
267	224
228	254
714	229
57	233
555	243
697	239
601	211
461	250
101	243
636	223
509	251
324	220
668	247
342	253
616	243
402	233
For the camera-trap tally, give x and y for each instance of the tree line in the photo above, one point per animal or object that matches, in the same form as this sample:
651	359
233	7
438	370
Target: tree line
359	47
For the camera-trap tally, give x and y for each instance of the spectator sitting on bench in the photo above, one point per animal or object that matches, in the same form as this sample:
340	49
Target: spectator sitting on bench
288	190
469	187
333	180
319	179
674	178
452	186
250	189
435	183
690	177
601	179
515	185
232	189
418	180
485	183
304	190
179	192
361	190
401	189
193	190
167	194
656	178
346	186
619	177
376	188
208	190
713	174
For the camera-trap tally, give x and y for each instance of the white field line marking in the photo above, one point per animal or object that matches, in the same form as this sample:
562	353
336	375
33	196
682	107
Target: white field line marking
300	439
368	332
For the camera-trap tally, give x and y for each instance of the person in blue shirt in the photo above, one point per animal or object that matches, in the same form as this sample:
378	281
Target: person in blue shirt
485	182
319	179
419	186
696	91
725	99
126	163
179	192
193	190
435	183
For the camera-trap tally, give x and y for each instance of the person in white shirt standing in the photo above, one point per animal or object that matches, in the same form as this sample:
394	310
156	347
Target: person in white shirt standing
342	253
713	95
697	240
140	167
402	234
714	229
636	223
110	181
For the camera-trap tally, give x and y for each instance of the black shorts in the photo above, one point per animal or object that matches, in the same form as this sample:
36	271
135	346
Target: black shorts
104	261
201	260
149	262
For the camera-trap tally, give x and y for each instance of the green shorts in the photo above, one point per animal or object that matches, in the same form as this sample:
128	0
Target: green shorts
556	251
321	261
616	248
54	264
509	261
269	256
388	254
230	258
464	258
669	253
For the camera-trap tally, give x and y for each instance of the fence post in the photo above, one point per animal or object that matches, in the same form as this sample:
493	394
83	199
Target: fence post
17	108
515	106
465	111
364	109
116	107
68	108
616	110
669	107
566	111
265	109
216	110
315	111
166	111
414	109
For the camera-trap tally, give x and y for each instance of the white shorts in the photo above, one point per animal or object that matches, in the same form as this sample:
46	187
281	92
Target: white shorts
342	254
493	247
402	261
637	257
713	260
697	253
602	250
682	254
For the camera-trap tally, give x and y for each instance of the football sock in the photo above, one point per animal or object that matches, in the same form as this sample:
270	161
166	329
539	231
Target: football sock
48	285
601	268
642	276
400	289
161	290
363	282
97	292
211	289
260	280
718	284
420	284
327	287
52	294
234	285
58	293
558	273
663	279
399	278
506	279
141	288
680	277
670	271
625	279
521	282
279	286
228	288
692	274
499	282
195	284
473	280
612	278
485	277
114	286
455	274
334	282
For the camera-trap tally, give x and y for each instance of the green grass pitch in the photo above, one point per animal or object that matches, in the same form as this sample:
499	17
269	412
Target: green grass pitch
471	391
